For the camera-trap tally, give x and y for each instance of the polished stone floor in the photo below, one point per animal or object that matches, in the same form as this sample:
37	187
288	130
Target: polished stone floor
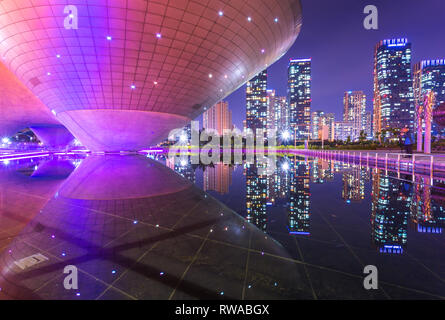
174	243
135	229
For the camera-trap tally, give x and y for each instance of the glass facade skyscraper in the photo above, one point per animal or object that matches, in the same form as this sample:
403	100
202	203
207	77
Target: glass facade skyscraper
277	112
393	89
429	75
218	118
354	112
256	102
316	124
299	97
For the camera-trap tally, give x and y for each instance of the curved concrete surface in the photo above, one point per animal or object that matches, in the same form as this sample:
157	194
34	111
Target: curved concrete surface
172	57
53	136
19	107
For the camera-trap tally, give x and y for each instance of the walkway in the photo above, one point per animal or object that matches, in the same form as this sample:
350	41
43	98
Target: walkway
432	165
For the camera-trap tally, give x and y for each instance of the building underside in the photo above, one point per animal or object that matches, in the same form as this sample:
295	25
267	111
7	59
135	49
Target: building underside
120	76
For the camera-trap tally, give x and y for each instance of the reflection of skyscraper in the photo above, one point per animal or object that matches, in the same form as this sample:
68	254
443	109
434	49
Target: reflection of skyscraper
299	198
427	208
353	185
322	171
256	100
182	166
256	197
279	181
218	118
218	178
299	97
393	92
390	212
354	111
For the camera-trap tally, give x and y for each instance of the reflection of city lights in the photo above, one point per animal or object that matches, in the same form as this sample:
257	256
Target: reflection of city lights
285	166
183	163
183	138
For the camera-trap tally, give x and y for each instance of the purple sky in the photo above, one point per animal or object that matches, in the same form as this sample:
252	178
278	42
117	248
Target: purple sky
342	50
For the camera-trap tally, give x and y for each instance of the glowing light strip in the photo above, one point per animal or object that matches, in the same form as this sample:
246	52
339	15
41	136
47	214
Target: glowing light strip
21	154
29	157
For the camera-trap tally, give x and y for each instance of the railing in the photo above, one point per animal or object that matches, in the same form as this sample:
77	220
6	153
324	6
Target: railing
425	164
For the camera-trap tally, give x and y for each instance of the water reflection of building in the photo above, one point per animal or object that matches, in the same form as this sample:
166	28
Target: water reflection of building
299	195
322	171
354	184
391	200
182	166
279	181
256	197
427	208
218	178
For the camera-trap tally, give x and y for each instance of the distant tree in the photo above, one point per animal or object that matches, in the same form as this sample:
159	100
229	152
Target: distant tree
362	136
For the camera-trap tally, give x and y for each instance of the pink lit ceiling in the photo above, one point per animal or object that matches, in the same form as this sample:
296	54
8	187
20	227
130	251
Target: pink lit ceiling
175	58
19	108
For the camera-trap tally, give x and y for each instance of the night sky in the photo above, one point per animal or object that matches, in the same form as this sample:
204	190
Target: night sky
342	49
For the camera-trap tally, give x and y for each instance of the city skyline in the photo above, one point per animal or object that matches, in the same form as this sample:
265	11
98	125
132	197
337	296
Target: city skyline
340	64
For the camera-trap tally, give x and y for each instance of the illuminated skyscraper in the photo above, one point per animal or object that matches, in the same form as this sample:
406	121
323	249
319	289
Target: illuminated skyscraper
429	75
218	118
299	97
393	89
354	111
368	124
343	130
316	124
277	112
256	102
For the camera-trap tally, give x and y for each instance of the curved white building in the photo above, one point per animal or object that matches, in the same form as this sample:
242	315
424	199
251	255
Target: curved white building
121	74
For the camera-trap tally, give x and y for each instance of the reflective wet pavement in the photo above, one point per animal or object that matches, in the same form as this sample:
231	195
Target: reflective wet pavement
136	229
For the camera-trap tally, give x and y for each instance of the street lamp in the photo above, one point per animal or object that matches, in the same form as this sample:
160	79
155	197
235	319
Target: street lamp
285	135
